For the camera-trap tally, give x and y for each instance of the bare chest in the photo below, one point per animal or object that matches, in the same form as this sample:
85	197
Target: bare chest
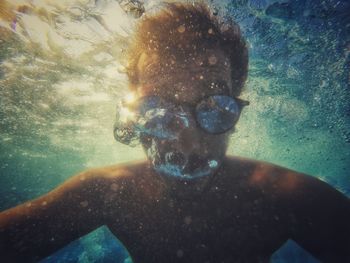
213	228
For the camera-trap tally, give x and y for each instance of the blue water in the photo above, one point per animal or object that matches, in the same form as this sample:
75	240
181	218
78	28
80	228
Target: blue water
299	116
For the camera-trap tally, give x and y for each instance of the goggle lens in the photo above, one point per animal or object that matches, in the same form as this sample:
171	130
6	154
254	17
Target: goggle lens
217	114
159	118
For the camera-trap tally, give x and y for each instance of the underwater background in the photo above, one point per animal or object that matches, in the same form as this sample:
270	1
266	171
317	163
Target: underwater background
62	72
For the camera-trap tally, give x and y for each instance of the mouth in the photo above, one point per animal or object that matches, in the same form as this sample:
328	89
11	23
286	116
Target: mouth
176	164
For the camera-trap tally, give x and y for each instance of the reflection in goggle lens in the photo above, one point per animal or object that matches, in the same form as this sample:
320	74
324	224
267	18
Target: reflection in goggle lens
217	114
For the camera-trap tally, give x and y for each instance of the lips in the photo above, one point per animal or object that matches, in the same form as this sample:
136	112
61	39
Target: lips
175	158
188	164
195	163
178	164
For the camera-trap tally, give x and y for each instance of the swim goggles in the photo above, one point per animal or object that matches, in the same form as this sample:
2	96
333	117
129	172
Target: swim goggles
159	118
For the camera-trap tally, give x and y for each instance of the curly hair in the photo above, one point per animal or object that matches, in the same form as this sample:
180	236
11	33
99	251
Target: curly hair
179	31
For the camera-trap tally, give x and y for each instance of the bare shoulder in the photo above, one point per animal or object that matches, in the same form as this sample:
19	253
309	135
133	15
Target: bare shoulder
280	180
123	170
122	182
90	186
121	173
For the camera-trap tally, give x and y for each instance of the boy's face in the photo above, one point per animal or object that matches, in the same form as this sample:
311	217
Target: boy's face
193	152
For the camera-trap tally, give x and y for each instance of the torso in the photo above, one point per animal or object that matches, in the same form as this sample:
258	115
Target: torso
235	219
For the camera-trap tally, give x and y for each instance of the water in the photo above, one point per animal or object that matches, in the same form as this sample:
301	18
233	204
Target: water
61	76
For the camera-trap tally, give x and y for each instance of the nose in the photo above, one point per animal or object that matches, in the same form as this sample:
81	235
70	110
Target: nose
190	141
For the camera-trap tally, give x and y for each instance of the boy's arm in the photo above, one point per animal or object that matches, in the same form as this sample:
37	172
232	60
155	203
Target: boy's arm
37	228
323	216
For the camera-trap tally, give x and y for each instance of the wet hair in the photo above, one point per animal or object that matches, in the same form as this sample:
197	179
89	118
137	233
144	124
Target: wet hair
179	31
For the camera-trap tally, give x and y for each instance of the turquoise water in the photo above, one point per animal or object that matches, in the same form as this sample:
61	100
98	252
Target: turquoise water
61	73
